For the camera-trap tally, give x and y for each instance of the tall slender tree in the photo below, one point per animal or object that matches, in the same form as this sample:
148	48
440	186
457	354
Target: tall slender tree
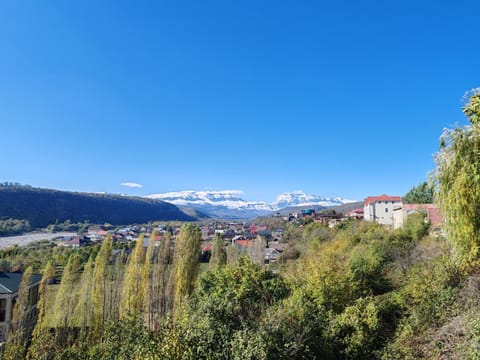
42	338
133	287
22	320
148	281
187	262
163	272
219	252
100	284
83	315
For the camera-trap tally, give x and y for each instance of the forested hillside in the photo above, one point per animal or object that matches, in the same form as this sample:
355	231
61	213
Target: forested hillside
41	207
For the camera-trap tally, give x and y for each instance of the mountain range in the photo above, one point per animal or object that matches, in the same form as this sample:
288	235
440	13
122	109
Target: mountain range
229	203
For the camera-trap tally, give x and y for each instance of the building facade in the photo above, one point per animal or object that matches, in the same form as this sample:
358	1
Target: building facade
384	209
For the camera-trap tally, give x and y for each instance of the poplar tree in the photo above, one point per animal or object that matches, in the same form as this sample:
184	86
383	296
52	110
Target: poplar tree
186	262
219	252
457	175
133	290
19	333
42	339
149	282
66	298
163	273
83	314
257	250
100	282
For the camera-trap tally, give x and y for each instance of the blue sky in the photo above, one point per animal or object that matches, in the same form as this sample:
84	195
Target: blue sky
335	98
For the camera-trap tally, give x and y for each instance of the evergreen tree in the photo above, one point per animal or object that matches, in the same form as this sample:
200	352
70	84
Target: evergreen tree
219	252
133	287
187	262
421	194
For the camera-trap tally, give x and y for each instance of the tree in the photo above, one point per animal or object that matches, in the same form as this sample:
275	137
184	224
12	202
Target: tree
100	282
162	275
149	283
187	262
133	287
421	194
457	175
219	252
21	322
42	338
83	314
66	298
257	250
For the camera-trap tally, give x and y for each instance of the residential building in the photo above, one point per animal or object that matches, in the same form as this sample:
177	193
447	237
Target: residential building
384	209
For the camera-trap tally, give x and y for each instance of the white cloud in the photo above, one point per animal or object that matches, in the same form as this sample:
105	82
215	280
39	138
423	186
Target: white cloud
131	185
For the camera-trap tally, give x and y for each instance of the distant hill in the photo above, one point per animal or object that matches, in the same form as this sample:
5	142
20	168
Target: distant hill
347	207
42	207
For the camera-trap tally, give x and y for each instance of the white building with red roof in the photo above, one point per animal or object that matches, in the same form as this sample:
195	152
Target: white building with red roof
384	209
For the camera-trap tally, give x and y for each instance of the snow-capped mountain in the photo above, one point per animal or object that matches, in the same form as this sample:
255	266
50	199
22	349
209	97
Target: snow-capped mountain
229	204
299	198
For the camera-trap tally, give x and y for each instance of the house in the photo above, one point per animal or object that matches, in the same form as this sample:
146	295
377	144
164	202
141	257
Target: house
9	284
355	213
383	209
308	213
271	255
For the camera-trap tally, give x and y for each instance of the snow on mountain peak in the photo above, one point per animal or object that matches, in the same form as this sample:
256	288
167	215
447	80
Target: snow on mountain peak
229	202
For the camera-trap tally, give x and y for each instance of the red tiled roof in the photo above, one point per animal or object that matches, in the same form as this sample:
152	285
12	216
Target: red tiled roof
371	199
356	211
244	242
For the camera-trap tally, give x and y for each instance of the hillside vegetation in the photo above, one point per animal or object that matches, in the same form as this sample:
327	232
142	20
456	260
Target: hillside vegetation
358	291
41	207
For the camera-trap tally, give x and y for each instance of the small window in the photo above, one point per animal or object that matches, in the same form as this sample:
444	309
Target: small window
386	209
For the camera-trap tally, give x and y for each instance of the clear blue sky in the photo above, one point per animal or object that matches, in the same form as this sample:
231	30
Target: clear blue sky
341	98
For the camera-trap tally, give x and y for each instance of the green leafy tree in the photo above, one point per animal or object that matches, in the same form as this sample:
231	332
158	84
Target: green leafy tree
457	174
21	322
83	314
186	262
42	338
421	194
134	286
100	284
219	252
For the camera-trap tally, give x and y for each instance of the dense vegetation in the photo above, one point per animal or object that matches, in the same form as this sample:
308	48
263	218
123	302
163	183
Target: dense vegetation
421	194
13	227
358	291
41	207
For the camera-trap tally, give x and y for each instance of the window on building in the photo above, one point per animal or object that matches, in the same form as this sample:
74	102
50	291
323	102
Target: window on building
386	209
3	309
